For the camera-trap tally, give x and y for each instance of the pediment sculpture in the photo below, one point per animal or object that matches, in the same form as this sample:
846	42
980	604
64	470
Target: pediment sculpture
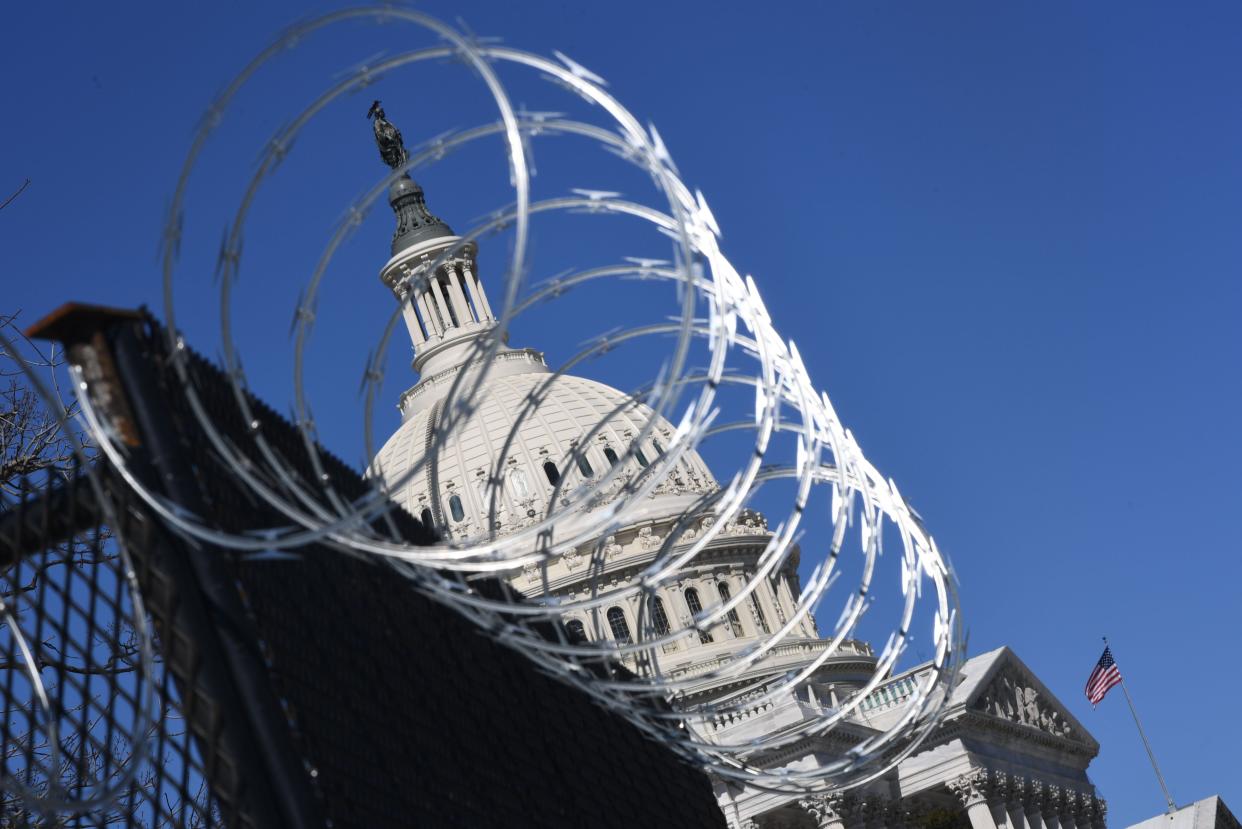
1013	696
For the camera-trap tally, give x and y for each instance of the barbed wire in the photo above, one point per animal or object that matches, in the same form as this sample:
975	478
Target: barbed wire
717	338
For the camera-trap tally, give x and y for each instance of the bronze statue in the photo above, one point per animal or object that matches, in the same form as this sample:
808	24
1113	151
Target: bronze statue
387	137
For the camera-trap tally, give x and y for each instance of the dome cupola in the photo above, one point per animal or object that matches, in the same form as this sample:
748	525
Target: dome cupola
432	273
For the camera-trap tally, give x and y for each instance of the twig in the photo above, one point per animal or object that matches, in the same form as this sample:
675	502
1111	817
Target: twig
25	184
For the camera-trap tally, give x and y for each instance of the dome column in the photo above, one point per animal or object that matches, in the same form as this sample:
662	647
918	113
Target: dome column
446	319
464	314
424	310
476	292
410	313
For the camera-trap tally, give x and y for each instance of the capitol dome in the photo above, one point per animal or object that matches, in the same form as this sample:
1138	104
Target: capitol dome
453	489
495	471
446	311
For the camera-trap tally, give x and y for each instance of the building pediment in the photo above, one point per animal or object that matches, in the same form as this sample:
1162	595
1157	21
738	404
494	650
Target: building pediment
1008	691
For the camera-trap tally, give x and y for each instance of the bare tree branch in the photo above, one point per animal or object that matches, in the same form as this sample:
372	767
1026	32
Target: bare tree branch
25	184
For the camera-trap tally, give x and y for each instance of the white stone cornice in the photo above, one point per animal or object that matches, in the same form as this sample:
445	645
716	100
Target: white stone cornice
962	723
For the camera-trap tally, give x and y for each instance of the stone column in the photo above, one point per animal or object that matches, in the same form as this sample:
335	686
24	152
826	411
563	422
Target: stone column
829	811
1069	810
1015	803
480	296
476	295
974	789
1091	811
999	801
411	318
429	319
464	314
1054	802
1101	814
1033	804
445	318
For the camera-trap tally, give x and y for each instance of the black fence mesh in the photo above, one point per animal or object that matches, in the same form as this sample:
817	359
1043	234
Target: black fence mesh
95	726
316	689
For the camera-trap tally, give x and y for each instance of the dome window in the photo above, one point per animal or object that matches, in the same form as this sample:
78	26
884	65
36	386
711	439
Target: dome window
517	480
455	509
659	449
620	627
576	631
425	517
610	455
659	619
735	624
642	459
489	499
554	474
584	466
696	607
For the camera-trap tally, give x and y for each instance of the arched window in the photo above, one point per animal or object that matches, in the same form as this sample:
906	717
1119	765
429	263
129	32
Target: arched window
575	630
455	509
642	459
517	480
754	602
425	517
610	455
584	466
554	474
659	619
659	449
620	627
696	607
735	624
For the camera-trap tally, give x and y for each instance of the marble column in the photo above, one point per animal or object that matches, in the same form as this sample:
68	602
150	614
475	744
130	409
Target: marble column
1091	811
1054	802
437	292
476	295
1101	814
464	313
1069	810
974	789
411	318
430	320
472	280
1033	804
1015	803
829	811
999	801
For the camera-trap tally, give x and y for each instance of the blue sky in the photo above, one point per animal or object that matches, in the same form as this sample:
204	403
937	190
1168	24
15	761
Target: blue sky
1005	240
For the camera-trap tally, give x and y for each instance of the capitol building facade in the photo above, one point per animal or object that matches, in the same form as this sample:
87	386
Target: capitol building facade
1007	755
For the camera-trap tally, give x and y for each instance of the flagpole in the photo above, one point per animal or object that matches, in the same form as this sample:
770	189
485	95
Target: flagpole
1150	755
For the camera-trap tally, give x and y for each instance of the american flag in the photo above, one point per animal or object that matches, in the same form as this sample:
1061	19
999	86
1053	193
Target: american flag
1105	676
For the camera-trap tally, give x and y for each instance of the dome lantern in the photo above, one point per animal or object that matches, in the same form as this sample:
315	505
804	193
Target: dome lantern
415	222
445	308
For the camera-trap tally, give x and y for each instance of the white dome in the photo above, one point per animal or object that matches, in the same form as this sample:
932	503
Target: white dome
571	407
